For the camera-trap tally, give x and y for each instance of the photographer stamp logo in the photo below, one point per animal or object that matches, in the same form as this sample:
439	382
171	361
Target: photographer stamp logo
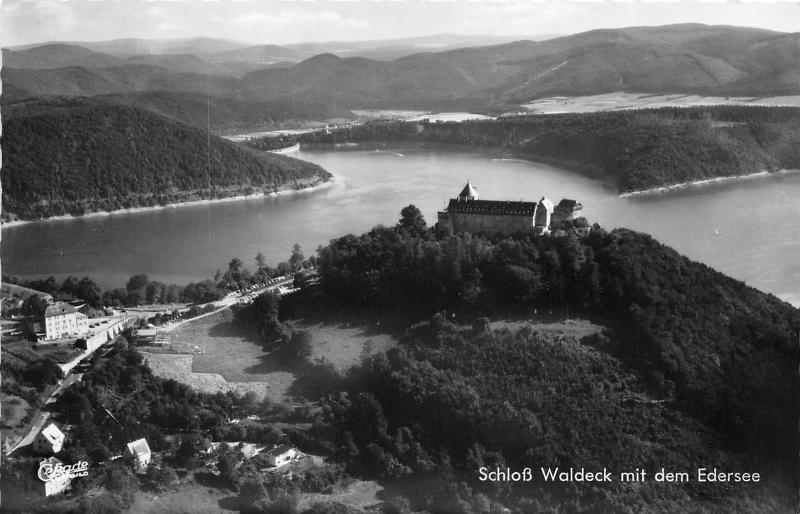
52	472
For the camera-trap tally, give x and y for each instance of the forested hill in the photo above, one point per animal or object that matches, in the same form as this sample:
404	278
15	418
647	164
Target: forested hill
634	150
76	156
695	370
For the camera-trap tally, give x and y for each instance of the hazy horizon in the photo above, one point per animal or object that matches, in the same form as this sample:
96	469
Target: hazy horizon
257	22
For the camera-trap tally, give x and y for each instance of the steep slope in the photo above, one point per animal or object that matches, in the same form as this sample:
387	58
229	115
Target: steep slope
695	370
74	156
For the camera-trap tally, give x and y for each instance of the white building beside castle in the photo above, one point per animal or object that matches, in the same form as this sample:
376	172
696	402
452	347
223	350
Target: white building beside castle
63	320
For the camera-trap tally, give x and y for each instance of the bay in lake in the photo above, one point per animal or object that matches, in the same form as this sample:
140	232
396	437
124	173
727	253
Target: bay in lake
757	219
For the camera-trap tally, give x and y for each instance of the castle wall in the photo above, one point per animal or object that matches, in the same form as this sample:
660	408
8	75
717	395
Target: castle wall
490	223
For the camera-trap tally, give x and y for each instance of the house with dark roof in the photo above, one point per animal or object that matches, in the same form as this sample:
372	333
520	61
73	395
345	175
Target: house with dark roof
63	320
468	213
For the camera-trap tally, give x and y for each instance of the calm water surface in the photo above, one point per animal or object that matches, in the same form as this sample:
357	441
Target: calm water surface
757	220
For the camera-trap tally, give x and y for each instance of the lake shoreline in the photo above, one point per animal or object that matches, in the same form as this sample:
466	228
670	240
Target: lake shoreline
133	210
716	180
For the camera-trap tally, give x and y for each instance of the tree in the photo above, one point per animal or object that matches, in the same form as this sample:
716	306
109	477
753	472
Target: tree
43	372
137	283
412	221
251	491
34	305
300	346
264	312
88	291
227	464
235	266
297	257
191	445
261	261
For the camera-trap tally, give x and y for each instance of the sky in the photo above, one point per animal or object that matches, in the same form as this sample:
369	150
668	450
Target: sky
286	22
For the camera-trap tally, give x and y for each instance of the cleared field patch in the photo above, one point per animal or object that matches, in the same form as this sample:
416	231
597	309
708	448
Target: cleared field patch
342	344
195	499
552	326
359	495
216	353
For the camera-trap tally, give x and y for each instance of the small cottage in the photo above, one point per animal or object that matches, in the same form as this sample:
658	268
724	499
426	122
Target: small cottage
58	483
281	455
49	440
139	451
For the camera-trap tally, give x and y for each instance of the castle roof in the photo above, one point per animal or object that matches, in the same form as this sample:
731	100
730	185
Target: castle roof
59	309
468	192
497	207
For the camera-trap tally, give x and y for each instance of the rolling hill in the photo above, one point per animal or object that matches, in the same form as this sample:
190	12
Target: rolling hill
674	59
223	114
71	156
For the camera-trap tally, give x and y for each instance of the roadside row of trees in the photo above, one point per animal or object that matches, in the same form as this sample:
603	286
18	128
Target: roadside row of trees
141	290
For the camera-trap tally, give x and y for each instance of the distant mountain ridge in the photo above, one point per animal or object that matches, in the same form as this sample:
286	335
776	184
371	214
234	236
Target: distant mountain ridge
689	58
673	59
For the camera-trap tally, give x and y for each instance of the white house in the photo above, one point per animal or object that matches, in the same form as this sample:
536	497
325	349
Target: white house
139	451
60	483
281	455
49	440
62	320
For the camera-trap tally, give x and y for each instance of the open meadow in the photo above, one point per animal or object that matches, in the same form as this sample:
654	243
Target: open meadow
216	353
620	101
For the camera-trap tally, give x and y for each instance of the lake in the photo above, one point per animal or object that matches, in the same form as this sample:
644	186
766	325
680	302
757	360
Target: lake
756	219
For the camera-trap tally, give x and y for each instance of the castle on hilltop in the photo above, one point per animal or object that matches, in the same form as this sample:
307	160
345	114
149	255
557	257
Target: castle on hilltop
467	213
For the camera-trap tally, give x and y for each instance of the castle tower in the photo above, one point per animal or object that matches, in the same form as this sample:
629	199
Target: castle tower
544	211
468	193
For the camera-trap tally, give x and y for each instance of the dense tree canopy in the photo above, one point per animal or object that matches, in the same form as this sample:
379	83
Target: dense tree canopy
636	150
60	157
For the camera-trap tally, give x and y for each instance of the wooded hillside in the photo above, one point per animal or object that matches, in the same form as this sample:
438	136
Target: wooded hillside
689	351
76	156
635	150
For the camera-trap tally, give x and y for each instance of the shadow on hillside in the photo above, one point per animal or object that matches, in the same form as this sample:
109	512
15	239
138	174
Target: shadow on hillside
230	503
316	380
271	362
370	322
233	328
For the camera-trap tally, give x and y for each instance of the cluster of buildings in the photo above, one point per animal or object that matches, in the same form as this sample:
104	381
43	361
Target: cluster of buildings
467	213
50	440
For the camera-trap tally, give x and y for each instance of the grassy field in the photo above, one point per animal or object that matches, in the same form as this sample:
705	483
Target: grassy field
626	101
215	353
359	495
551	325
199	499
196	499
